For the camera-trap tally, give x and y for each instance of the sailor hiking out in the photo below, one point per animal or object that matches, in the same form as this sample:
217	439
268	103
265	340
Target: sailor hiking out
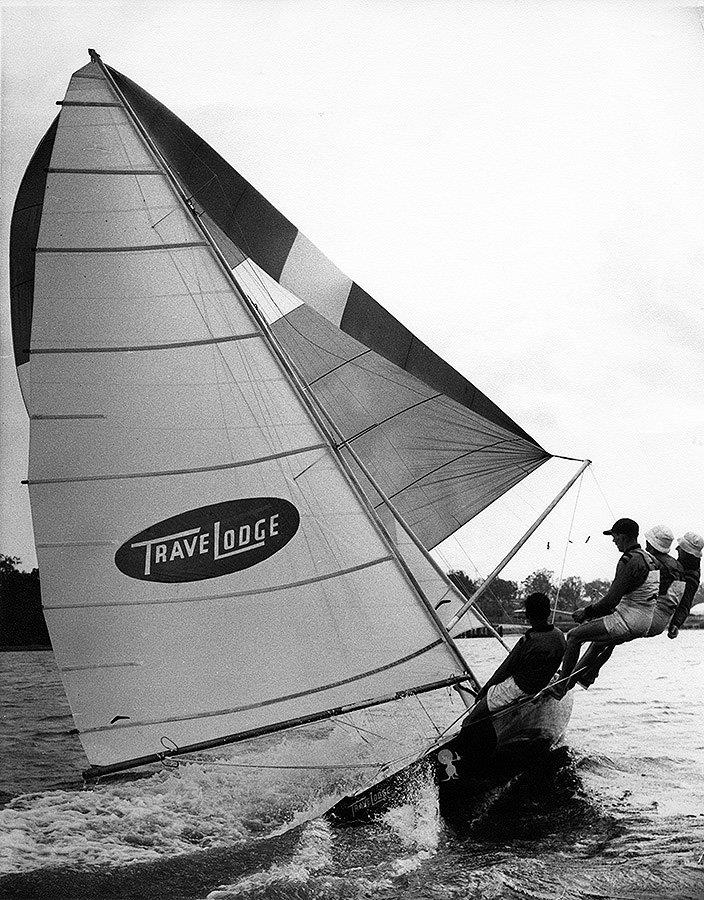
676	599
658	541
624	613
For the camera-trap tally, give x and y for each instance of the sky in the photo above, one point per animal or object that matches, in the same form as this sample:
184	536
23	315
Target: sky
518	183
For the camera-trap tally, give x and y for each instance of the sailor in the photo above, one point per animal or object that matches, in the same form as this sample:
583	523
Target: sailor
624	613
682	590
658	541
527	669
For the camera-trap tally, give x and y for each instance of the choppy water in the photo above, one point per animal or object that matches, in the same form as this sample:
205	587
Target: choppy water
619	814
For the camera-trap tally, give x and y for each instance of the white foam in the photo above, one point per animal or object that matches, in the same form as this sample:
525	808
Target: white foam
312	857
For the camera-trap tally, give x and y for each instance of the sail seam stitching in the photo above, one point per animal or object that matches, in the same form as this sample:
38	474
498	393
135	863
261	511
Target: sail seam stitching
272	701
454	460
75	544
122	665
131	349
265	590
388	419
340	366
219	468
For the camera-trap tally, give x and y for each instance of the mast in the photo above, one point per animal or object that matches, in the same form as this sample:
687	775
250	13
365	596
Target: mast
291	371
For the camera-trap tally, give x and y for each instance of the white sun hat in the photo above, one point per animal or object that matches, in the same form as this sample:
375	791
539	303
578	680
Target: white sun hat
660	538
691	543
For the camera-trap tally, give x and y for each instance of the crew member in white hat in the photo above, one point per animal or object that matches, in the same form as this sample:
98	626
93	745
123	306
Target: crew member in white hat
658	541
679	580
689	555
624	613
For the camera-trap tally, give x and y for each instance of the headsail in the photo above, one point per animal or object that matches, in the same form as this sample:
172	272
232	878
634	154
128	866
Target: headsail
209	568
439	448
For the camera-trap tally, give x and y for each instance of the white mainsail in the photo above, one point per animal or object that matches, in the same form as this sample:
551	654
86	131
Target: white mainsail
209	567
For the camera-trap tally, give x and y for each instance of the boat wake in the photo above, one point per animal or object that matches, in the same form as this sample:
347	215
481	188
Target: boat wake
195	835
196	807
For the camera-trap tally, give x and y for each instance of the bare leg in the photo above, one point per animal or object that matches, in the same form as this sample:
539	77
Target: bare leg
588	631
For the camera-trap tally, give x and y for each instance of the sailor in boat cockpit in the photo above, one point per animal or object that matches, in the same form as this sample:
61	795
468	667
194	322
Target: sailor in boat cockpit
624	613
527	669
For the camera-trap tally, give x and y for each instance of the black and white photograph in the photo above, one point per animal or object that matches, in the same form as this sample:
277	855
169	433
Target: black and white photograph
352	450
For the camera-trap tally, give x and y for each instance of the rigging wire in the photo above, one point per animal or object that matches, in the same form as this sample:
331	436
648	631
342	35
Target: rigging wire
591	468
430	718
567	545
489	590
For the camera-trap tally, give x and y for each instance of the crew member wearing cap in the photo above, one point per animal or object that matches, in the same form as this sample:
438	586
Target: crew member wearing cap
624	613
681	592
658	541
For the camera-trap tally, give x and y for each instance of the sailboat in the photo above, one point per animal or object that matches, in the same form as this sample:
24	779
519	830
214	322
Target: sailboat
239	463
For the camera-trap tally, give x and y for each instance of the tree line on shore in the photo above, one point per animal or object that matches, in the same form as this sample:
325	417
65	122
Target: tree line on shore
502	603
22	620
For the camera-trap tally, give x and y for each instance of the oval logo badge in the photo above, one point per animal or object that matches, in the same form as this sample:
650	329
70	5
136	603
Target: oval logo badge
210	541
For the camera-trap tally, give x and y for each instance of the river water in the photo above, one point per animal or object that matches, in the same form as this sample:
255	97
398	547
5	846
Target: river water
616	813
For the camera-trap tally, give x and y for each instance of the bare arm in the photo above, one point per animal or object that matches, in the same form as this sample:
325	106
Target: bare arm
691	583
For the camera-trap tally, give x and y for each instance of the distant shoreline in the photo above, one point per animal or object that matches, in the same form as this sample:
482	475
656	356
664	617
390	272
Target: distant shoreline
506	628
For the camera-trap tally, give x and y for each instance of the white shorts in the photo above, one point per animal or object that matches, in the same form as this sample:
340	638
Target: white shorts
629	622
506	692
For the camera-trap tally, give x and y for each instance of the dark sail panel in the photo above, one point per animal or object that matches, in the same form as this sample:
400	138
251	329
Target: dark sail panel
242	213
370	323
24	231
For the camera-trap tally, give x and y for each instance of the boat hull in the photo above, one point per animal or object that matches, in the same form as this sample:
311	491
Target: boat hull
469	763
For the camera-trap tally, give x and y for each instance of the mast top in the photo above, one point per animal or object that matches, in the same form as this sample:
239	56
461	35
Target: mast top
94	55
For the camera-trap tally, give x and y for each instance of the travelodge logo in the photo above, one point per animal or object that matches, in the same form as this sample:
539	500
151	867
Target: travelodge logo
210	541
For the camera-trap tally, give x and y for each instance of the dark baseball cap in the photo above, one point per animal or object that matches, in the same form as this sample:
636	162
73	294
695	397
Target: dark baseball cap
624	526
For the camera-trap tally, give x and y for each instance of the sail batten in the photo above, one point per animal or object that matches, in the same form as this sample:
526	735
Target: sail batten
171	750
269	589
205	714
136	347
63	171
88	103
172	472
137	249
